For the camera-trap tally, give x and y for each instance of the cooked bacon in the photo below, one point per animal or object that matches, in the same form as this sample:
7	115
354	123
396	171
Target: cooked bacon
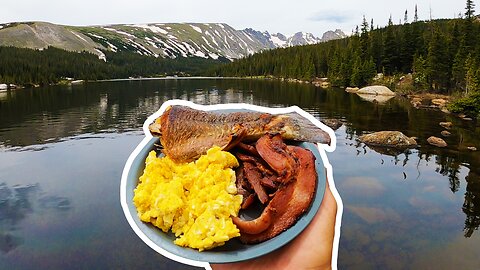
275	152
256	226
254	178
261	165
250	149
247	201
268	182
288	204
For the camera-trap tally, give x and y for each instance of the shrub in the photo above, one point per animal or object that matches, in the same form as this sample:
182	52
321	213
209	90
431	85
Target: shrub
469	105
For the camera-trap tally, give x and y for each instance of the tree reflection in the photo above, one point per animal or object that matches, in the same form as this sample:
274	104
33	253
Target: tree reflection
17	203
471	205
449	167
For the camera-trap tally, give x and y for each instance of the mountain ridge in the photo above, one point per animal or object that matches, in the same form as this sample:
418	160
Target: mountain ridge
166	40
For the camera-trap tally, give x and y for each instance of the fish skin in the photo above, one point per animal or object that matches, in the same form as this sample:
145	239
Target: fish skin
186	133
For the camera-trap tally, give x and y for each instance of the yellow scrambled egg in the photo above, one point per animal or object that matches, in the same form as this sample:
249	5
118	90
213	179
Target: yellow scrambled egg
195	200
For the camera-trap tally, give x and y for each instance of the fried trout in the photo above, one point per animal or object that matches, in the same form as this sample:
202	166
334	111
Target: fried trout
185	133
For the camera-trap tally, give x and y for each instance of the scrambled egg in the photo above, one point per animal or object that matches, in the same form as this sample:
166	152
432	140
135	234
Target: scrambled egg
195	200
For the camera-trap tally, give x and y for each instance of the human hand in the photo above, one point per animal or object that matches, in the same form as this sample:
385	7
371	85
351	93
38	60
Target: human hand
312	249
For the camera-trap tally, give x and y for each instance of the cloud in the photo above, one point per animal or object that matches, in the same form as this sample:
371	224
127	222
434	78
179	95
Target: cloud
334	16
362	186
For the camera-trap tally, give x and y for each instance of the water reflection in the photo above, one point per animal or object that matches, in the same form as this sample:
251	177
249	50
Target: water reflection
471	206
17	203
397	203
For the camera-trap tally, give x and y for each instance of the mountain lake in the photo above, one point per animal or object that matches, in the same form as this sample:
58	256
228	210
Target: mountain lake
63	149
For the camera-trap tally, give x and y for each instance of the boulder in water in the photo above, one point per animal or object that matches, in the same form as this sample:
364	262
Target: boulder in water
376	90
435	141
388	139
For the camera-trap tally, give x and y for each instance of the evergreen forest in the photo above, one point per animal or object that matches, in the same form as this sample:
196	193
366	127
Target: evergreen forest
442	55
40	67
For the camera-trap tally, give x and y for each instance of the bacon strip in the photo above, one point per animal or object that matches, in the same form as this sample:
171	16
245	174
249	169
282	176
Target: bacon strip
250	149
289	202
275	152
254	178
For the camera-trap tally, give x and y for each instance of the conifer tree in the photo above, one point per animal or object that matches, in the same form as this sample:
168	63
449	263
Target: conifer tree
470	10
415	17
390	53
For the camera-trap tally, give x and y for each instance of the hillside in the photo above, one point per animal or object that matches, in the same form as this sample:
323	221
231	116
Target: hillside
165	40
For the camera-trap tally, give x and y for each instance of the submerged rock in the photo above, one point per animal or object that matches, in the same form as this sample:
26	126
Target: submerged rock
352	89
445	133
376	90
388	139
446	125
435	141
332	123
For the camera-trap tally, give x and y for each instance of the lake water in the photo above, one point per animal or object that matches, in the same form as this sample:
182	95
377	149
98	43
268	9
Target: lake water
63	148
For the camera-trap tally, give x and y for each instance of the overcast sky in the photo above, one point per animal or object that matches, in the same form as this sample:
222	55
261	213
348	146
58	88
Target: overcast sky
282	16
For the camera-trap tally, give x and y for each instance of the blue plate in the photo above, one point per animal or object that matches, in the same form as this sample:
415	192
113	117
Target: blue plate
233	250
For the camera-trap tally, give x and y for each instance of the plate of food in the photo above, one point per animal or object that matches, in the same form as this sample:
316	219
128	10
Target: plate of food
223	185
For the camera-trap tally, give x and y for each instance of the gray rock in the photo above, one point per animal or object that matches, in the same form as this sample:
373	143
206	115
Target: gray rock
376	90
388	139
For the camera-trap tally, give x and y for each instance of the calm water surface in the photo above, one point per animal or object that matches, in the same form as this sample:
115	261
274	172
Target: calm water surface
63	148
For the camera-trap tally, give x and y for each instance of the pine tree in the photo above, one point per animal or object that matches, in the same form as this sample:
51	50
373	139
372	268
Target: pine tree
405	18
469	36
390	52
472	78
470	10
437	62
364	40
415	17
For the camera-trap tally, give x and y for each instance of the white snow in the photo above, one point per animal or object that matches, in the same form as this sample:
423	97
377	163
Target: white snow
221	25
76	34
119	32
139	46
152	43
153	28
206	41
226	43
189	47
177	47
112	47
248	36
200	54
278	42
196	28
213	56
213	38
101	55
97	36
164	44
